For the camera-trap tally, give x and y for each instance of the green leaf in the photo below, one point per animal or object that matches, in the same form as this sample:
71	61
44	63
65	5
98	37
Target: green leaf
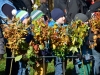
29	51
30	62
41	47
74	39
30	48
80	41
73	49
28	56
17	58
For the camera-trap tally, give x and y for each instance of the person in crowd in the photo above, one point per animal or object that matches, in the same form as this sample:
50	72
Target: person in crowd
58	16
4	14
93	8
95	50
38	15
85	51
95	53
23	17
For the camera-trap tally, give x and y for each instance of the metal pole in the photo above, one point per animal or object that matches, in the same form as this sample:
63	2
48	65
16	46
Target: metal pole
44	73
47	57
50	57
10	57
63	67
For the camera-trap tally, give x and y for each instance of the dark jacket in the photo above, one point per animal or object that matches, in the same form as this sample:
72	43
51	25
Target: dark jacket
91	34
45	9
62	4
97	48
23	4
93	8
72	8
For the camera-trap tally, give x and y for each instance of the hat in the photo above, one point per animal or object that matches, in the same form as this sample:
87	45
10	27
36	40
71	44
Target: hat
21	14
81	16
36	14
56	13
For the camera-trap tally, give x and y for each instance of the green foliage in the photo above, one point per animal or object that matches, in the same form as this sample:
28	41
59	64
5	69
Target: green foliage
73	49
78	31
18	58
29	52
22	44
63	39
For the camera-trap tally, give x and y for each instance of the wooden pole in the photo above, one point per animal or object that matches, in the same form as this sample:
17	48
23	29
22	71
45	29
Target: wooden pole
11	62
44	73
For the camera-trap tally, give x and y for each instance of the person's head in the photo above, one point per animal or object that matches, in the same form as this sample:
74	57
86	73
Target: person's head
22	15
37	15
58	15
81	16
